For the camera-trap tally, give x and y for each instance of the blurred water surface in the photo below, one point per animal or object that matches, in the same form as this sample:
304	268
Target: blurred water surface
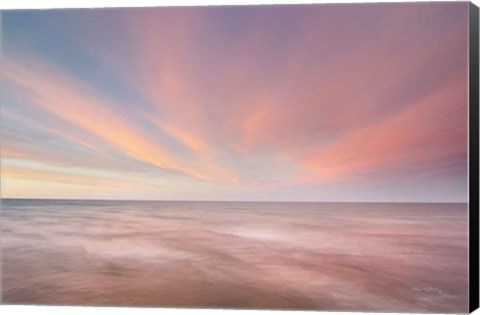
325	256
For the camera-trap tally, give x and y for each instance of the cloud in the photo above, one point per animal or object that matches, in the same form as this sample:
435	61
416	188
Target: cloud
262	97
431	129
78	104
26	174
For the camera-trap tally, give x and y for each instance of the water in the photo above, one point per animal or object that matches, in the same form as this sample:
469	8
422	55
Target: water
325	256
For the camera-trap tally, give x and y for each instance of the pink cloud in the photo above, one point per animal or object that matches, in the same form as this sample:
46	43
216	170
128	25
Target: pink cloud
431	129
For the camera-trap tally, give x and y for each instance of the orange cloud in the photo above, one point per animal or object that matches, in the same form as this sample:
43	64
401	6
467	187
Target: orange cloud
76	103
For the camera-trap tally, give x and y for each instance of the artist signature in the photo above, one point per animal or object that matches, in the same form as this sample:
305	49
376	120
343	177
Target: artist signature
427	289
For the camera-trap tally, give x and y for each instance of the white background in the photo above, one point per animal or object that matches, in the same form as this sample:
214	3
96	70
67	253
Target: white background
66	310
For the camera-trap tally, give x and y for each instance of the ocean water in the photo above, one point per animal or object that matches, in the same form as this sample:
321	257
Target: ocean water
323	256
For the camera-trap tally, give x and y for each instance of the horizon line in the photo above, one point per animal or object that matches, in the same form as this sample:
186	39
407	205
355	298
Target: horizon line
245	201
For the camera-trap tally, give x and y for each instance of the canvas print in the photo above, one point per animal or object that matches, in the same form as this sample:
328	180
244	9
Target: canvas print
298	157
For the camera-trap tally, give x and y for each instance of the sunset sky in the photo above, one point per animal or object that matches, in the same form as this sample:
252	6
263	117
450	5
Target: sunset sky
357	102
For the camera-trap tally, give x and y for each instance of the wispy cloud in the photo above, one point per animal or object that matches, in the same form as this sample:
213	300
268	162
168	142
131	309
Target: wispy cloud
265	97
75	102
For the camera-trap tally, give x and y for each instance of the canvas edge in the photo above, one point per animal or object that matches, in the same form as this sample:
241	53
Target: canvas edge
473	159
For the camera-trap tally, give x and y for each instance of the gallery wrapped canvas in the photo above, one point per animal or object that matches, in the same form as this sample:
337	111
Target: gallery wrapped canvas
296	157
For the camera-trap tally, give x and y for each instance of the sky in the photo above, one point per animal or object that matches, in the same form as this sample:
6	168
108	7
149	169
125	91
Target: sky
344	102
